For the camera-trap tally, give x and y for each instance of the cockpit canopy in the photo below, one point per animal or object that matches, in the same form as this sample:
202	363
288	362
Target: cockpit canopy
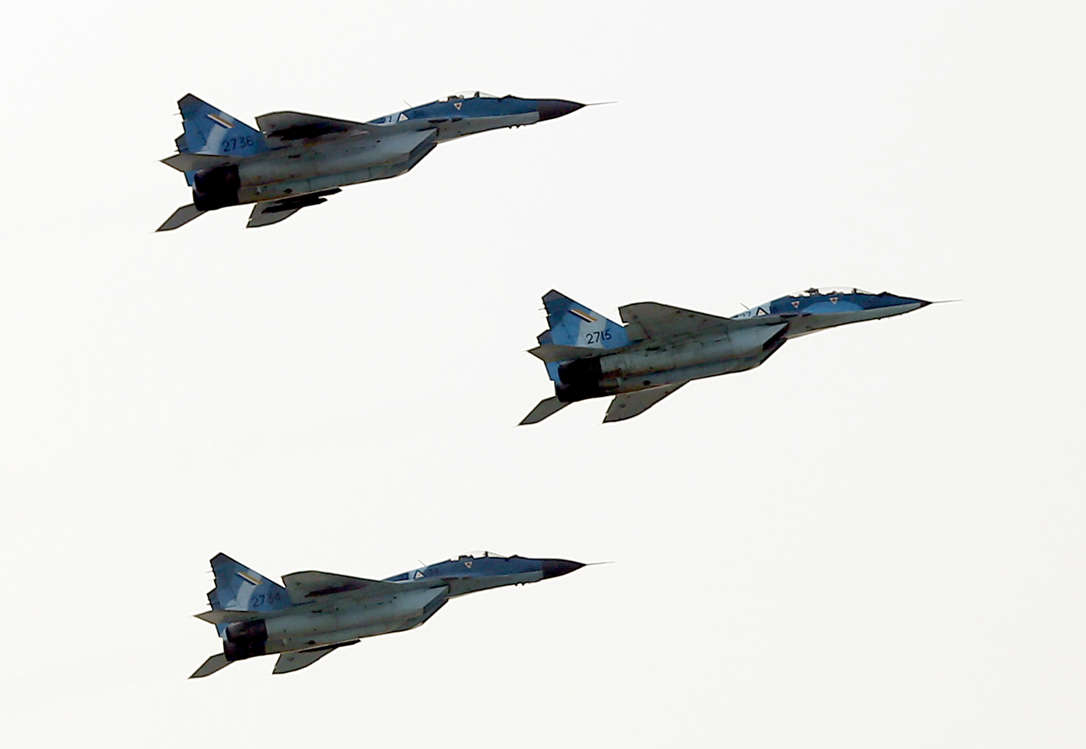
471	95
464	559
827	290
477	554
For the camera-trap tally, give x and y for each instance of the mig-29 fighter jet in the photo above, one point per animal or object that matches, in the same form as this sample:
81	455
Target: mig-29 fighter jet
293	160
317	612
661	348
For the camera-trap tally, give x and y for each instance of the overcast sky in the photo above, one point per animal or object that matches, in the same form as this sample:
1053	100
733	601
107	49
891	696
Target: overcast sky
874	540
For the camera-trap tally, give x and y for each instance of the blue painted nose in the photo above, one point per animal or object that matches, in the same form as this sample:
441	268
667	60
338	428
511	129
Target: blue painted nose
910	300
551	108
559	567
887	299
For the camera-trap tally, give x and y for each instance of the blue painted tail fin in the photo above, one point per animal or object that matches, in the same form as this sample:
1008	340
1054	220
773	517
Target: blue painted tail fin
213	131
571	323
239	588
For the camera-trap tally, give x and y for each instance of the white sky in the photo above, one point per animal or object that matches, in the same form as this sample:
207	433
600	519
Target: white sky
874	540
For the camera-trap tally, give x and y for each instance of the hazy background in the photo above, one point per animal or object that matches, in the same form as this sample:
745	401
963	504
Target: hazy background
874	540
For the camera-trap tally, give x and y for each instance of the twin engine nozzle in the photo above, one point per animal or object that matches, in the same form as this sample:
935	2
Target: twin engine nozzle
579	379
216	187
245	639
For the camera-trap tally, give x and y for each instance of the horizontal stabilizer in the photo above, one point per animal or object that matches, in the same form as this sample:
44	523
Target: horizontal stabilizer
546	407
220	616
188	162
303	585
628	405
180	217
552	352
215	663
298	660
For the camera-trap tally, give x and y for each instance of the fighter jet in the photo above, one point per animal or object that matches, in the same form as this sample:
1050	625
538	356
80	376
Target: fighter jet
293	160
661	348
313	613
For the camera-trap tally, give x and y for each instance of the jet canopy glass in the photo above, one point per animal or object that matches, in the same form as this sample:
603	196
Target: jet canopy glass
471	95
824	290
477	554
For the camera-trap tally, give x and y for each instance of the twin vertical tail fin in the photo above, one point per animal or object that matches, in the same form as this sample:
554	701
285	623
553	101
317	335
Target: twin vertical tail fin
573	332
212	131
212	138
239	588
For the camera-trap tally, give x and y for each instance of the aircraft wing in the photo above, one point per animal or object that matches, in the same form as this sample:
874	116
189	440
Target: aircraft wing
311	584
299	659
280	128
655	320
628	405
274	211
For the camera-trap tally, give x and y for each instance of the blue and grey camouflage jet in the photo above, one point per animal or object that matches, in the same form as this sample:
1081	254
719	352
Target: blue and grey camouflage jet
292	160
313	613
661	348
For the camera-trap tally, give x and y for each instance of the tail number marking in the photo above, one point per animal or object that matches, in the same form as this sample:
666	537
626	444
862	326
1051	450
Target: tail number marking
233	144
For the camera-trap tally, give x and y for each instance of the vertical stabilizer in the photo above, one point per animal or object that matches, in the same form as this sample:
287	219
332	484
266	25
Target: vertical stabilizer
214	132
211	130
240	588
570	323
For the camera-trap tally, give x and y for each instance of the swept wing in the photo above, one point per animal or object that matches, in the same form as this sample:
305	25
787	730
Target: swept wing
274	211
654	320
628	405
299	659
281	128
311	584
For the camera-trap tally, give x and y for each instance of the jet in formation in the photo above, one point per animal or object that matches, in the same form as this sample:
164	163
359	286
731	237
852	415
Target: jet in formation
313	613
292	160
661	348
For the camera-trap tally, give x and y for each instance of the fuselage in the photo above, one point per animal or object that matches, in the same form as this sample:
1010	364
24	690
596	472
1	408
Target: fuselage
302	161
475	112
724	348
416	595
817	309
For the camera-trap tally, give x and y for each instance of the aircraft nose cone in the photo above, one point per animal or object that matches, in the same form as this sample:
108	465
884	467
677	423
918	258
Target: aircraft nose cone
912	300
551	108
558	567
